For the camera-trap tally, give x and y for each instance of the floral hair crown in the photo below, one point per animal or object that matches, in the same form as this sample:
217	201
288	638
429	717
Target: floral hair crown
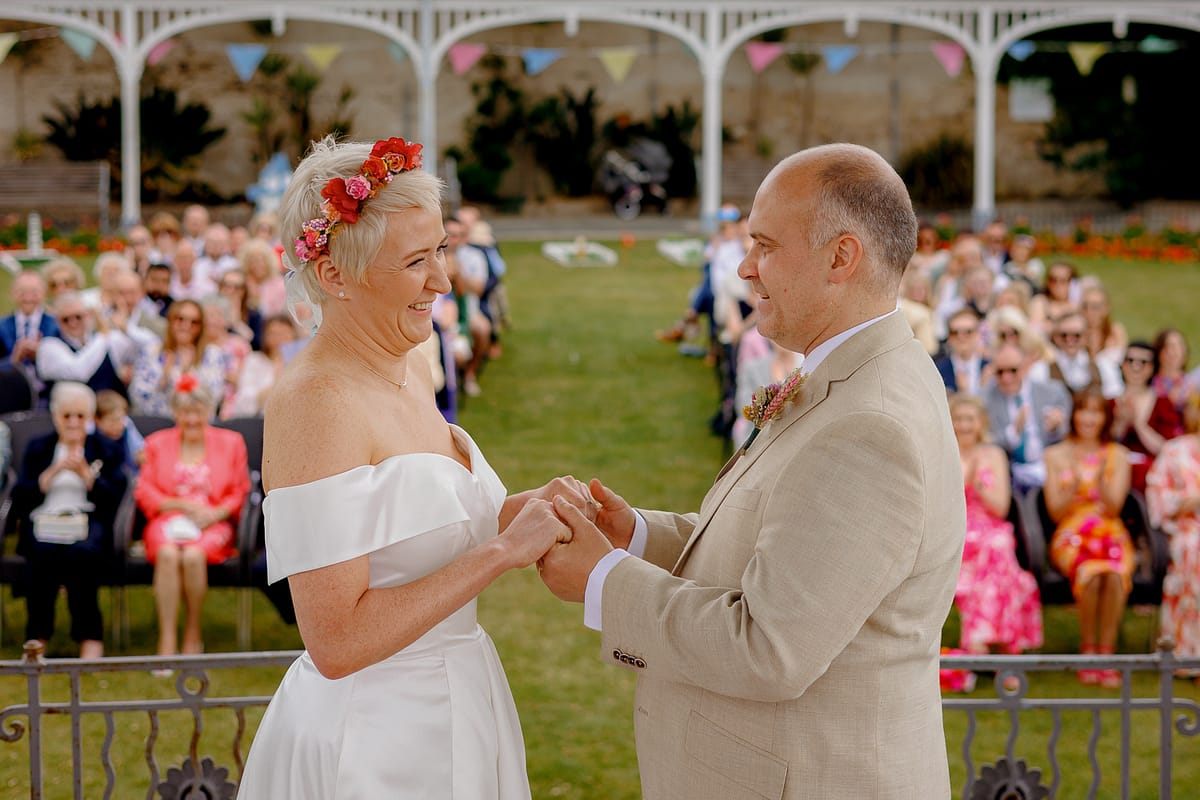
344	198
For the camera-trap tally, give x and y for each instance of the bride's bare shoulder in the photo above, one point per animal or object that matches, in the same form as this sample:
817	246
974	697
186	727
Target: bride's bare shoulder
309	429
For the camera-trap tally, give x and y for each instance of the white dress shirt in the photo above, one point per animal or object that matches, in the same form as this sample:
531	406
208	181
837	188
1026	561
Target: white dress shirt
56	361
593	595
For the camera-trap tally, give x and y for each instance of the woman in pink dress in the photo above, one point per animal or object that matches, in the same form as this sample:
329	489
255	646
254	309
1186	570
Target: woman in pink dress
997	601
1173	495
1087	483
191	489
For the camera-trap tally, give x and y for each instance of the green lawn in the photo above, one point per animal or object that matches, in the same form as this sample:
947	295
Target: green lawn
583	387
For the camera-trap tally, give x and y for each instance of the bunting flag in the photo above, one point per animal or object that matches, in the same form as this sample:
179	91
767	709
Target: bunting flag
159	51
950	55
538	58
837	56
464	55
1021	50
1154	44
1084	54
761	54
618	61
245	58
83	44
397	52
322	55
7	40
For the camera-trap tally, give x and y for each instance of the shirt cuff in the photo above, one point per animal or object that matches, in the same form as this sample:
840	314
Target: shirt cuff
593	595
641	532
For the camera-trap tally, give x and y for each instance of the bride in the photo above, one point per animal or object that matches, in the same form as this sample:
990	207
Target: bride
383	518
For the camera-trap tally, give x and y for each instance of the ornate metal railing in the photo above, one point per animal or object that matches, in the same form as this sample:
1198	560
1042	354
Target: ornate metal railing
1013	775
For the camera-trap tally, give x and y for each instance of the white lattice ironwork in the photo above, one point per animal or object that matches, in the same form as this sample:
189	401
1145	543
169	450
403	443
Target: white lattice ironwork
711	29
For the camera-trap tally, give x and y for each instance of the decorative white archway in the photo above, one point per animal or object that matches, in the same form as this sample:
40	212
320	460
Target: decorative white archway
711	29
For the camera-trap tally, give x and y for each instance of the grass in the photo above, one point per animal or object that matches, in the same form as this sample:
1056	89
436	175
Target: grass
584	388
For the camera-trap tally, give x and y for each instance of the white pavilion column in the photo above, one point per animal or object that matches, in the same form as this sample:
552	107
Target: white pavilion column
427	72
131	150
984	209
712	68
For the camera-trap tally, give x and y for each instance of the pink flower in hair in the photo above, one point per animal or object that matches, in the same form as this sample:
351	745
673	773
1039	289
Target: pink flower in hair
358	187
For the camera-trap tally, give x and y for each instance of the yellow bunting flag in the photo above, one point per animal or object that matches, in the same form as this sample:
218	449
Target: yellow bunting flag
618	61
1084	54
7	40
322	55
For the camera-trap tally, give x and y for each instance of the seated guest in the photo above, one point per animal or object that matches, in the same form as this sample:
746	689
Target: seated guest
106	269
997	601
260	370
191	489
1022	266
164	228
1105	337
89	348
1173	497
140	248
65	501
218	331
242	317
1074	365
21	330
183	350
144	324
189	281
217	257
1171	379
962	370
1059	296
62	275
264	278
1027	415
1009	325
915	291
114	424
157	287
1142	419
1087	483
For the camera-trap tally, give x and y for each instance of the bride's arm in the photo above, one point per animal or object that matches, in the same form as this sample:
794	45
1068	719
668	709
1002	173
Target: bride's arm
345	624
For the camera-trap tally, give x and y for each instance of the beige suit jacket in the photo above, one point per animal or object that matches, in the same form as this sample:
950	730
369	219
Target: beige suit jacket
787	637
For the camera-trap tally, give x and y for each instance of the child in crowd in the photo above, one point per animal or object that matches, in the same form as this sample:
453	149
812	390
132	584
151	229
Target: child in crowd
113	422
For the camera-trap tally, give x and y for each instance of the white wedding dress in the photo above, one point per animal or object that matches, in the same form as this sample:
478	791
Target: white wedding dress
436	720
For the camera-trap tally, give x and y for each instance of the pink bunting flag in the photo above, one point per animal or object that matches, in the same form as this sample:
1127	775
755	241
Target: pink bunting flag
951	56
761	54
159	51
464	55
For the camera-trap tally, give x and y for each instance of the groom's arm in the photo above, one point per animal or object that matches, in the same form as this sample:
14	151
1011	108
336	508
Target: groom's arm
839	532
666	535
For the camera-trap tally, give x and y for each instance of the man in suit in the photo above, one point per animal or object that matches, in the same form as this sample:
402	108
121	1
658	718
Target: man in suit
787	636
962	368
1026	415
21	330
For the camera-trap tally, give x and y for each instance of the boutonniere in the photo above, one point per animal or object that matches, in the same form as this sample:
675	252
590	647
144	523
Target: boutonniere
768	401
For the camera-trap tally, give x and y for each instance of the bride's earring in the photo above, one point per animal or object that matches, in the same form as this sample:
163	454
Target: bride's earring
342	295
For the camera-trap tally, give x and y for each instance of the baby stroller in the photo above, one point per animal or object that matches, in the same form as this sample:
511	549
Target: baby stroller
635	179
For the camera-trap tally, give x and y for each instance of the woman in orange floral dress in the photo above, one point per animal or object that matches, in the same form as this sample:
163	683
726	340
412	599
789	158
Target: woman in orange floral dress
1087	483
1173	494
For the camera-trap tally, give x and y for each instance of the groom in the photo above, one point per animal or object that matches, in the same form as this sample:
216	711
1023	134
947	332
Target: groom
786	637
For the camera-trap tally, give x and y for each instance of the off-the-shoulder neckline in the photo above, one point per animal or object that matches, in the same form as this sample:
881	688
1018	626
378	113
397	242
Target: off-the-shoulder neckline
455	430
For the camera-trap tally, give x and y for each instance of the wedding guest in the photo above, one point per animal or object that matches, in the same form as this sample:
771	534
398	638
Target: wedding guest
76	480
1171	379
1173	498
164	227
140	250
1074	365
1027	415
261	369
930	258
1056	299
1087	484
114	424
62	275
157	287
471	282
192	487
1008	325
90	348
1022	267
106	269
217	257
962	369
218	331
915	292
1142	419
21	330
1104	337
183	350
143	323
998	602
241	316
264	278
965	255
1016	294
188	280
196	220
995	246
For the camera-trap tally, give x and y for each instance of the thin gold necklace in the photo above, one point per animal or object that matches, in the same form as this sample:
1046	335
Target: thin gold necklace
374	371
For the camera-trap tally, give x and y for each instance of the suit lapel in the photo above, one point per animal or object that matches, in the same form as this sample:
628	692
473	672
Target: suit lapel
843	362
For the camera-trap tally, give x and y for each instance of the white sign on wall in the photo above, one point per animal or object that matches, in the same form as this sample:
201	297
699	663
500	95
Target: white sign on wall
1029	100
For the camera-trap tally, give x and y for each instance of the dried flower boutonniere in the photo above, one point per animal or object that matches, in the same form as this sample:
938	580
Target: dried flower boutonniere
768	401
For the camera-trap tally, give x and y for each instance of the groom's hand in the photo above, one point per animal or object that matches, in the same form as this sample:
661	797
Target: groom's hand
566	568
615	517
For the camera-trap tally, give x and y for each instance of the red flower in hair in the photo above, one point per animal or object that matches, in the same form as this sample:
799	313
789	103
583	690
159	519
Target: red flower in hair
346	206
187	383
374	169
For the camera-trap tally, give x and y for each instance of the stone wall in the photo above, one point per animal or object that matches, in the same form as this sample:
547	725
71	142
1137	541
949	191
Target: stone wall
766	115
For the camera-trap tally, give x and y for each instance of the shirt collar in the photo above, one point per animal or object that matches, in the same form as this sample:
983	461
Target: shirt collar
821	352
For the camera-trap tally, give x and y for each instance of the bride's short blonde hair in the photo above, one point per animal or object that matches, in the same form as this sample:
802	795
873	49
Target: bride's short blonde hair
357	244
